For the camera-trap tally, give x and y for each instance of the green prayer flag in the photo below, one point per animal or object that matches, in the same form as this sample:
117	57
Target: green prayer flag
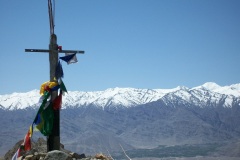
45	116
62	86
45	97
48	117
46	121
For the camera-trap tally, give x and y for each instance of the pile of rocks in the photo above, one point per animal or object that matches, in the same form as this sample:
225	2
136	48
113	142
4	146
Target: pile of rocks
39	152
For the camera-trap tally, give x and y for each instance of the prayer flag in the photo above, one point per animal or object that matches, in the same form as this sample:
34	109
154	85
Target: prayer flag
44	117
31	130
46	121
57	103
69	58
62	86
59	71
27	142
37	119
55	88
47	86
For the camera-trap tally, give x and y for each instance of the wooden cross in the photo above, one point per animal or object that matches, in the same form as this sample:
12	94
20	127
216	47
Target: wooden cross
53	140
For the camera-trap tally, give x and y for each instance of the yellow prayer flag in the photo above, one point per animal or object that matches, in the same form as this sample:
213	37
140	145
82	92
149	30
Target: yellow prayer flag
46	86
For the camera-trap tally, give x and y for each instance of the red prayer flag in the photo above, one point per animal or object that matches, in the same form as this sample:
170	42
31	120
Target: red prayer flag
57	103
27	142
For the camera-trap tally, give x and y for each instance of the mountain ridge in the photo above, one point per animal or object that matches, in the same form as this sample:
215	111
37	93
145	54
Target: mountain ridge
209	92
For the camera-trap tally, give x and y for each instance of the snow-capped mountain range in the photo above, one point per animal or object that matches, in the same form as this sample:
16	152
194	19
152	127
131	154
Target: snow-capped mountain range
201	96
134	118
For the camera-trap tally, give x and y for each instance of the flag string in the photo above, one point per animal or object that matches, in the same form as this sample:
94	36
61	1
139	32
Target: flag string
43	120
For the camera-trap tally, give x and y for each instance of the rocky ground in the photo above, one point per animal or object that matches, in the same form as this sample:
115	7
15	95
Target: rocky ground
39	152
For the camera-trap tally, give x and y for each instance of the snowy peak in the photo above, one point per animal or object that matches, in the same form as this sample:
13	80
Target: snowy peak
208	86
206	94
233	89
211	86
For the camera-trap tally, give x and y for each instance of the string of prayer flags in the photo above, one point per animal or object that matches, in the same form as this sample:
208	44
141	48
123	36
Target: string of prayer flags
69	58
45	116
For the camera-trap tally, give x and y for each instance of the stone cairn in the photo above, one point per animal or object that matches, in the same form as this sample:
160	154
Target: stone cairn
39	152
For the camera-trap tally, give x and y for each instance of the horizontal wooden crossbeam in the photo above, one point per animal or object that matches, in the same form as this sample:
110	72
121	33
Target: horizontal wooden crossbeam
37	50
46	50
71	51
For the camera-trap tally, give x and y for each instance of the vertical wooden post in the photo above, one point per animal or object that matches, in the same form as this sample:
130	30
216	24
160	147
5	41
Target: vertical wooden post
53	140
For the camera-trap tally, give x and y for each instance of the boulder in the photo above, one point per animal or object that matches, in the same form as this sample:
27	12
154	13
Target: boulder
59	155
77	156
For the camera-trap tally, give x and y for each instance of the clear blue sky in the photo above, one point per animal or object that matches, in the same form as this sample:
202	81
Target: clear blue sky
127	43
